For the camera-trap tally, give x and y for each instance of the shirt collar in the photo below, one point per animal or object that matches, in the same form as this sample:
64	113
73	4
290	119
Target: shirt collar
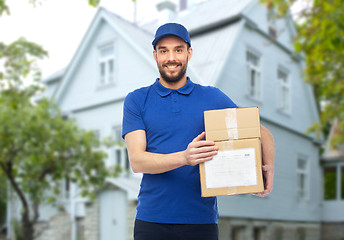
163	91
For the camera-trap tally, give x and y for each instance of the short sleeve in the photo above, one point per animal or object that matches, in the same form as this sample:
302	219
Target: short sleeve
132	116
222	100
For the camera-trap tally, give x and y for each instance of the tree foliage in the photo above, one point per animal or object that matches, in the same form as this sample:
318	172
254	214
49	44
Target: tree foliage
39	147
320	36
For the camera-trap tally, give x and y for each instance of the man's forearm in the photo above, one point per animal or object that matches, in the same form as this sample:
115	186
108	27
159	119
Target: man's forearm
198	151
153	163
268	147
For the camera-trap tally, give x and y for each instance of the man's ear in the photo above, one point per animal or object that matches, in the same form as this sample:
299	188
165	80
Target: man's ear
155	55
189	53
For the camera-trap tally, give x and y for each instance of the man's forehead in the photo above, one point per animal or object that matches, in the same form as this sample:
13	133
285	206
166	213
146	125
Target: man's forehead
171	40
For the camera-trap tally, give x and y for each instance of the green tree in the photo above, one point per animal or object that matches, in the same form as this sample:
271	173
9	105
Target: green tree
39	148
320	37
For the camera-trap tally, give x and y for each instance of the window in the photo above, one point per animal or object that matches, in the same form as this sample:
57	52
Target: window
271	16
278	233
342	182
284	91
121	154
334	182
65	188
238	233
330	183
106	64
253	75
258	233
96	134
301	234
302	179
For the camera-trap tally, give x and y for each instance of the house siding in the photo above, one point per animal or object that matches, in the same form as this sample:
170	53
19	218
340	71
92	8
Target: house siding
233	82
270	230
102	119
282	203
83	89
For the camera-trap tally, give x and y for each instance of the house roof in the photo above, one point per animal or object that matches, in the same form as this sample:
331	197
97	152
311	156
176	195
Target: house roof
55	76
203	18
130	184
331	153
213	26
214	13
207	14
138	34
211	52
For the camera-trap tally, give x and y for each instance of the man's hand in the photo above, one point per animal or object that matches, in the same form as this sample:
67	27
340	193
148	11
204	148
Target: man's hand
268	175
268	155
199	151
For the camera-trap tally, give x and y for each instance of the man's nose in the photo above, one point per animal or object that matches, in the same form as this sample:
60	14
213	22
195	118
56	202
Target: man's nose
171	56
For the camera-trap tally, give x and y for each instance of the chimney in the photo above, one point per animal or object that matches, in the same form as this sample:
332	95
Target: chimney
183	5
166	10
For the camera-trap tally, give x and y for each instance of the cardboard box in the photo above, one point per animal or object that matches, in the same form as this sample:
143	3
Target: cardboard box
237	168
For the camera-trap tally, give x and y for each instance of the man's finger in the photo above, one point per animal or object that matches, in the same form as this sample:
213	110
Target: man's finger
201	144
199	137
205	149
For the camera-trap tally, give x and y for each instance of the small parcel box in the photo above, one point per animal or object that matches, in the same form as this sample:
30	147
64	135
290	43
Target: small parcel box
237	168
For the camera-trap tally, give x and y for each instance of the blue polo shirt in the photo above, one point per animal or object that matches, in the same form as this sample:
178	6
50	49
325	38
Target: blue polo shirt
172	119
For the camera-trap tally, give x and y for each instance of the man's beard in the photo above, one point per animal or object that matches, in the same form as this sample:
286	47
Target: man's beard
172	78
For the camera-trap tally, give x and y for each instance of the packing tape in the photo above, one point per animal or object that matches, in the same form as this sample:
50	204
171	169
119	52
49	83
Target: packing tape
231	123
227	144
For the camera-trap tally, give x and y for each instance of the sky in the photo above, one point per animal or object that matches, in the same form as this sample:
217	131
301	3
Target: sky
59	25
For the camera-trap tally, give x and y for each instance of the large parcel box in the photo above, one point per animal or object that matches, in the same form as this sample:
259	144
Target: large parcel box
237	168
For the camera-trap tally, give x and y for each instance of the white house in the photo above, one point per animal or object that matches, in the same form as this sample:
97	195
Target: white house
332	162
241	49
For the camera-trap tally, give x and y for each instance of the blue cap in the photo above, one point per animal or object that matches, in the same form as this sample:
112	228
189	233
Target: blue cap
171	29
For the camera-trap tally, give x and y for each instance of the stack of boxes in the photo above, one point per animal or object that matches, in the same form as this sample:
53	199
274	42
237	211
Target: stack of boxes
237	168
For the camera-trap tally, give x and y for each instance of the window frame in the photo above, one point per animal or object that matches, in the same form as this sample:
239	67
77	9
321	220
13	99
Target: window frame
254	92
104	60
120	147
238	232
281	86
259	232
339	181
272	22
303	193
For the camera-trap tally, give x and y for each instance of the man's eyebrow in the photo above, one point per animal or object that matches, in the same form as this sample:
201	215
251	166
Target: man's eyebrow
176	47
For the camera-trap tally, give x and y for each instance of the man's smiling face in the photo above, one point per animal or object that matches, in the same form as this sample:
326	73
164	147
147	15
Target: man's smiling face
172	55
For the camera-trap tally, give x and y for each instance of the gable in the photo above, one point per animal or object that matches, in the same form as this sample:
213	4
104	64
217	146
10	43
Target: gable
284	27
79	88
130	70
272	58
